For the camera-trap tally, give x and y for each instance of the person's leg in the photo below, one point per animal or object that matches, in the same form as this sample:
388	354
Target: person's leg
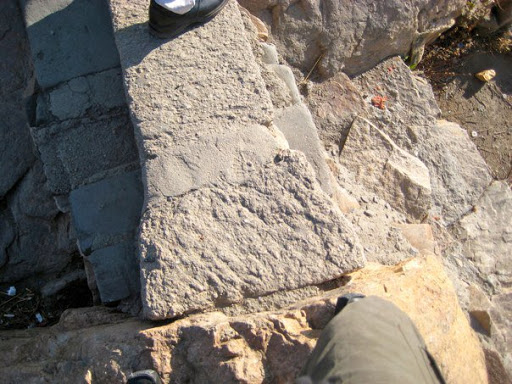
370	341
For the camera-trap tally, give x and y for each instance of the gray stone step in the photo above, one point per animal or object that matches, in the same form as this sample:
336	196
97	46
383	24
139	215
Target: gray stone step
229	214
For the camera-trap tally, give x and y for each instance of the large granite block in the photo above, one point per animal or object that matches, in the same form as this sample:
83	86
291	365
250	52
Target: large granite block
277	231
107	211
229	214
69	38
75	150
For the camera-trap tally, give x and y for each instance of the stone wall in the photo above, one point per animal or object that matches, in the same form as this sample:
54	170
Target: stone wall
36	239
73	173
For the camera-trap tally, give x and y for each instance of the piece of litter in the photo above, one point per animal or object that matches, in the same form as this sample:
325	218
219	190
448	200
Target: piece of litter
486	75
39	318
474	134
11	291
9	315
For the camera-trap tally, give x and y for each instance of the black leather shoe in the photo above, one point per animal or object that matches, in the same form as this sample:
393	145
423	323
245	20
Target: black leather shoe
166	24
147	376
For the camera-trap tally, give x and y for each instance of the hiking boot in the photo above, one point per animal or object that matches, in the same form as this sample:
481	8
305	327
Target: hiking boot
166	24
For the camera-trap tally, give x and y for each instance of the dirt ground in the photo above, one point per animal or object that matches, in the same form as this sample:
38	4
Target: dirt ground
484	109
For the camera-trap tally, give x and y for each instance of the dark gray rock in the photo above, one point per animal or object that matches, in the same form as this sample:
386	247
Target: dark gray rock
32	197
6	235
116	271
15	73
42	250
15	63
44	242
108	211
75	150
16	154
69	39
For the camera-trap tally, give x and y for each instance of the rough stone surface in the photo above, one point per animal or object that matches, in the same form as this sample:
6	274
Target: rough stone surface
95	345
353	36
410	109
84	95
15	67
373	218
68	34
70	156
235	103
378	163
501	331
419	235
486	233
16	152
116	271
45	242
299	129
6	236
496	371
218	245
334	104
458	173
107	211
36	243
228	213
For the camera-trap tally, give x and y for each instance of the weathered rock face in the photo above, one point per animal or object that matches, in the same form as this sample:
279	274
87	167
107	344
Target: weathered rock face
84	138
36	242
229	214
409	116
486	234
353	36
92	345
277	231
391	172
334	104
485	238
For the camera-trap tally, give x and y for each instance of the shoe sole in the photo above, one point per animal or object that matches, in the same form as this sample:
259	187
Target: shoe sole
171	32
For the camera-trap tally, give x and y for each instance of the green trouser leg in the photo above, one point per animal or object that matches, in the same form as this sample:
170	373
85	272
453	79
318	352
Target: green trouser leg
371	341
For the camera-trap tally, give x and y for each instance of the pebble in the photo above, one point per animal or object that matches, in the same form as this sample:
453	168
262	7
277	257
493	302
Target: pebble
369	213
486	75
